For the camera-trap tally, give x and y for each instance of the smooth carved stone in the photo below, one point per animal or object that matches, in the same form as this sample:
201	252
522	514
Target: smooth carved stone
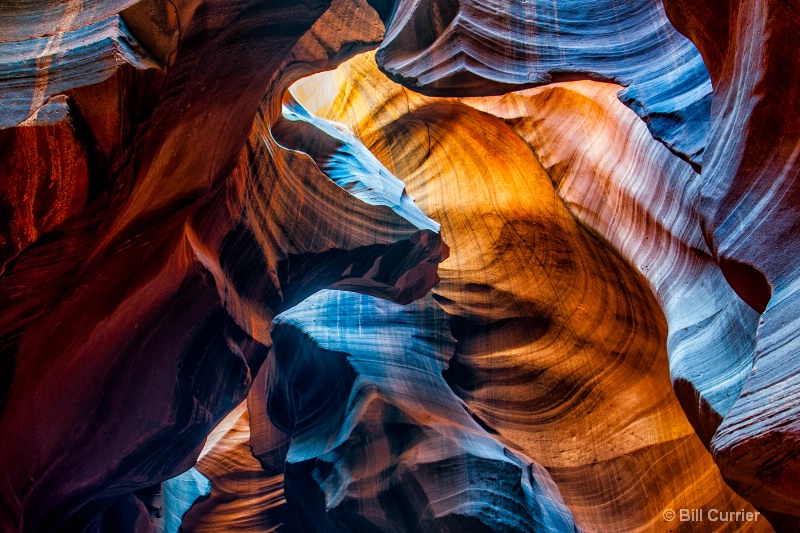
243	496
617	180
268	444
29	19
157	24
111	85
45	172
379	442
34	70
475	48
158	207
402	273
180	493
560	344
707	25
748	207
152	309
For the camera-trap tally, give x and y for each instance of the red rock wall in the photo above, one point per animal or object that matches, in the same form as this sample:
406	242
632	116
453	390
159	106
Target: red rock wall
608	332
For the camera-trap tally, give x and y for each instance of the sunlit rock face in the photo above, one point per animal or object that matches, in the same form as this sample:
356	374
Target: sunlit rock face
475	47
607	334
561	347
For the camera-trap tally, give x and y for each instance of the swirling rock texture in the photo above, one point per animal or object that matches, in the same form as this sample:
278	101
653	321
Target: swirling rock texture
549	321
748	208
386	444
469	47
154	298
619	207
243	497
640	199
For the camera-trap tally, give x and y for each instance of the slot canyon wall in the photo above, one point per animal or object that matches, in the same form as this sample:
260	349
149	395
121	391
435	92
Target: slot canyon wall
409	265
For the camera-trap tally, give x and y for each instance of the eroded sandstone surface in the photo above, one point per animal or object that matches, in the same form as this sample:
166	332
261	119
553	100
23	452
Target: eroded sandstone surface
411	265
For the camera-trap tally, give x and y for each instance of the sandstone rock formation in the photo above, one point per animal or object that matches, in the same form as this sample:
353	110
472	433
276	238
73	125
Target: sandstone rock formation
379	442
466	47
608	334
46	176
748	209
155	299
558	341
243	497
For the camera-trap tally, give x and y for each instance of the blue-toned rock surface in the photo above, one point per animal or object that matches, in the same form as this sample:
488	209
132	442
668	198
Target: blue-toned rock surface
477	47
179	494
748	204
379	442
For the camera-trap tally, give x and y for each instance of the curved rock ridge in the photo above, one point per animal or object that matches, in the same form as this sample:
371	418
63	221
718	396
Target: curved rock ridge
167	211
31	71
476	48
748	207
615	179
342	157
268	444
69	106
140	321
179	494
560	345
243	496
379	442
29	19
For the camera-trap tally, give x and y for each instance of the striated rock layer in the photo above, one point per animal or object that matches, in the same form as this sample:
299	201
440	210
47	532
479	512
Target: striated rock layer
243	496
748	204
378	440
46	176
170	217
476	48
139	321
640	199
560	348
